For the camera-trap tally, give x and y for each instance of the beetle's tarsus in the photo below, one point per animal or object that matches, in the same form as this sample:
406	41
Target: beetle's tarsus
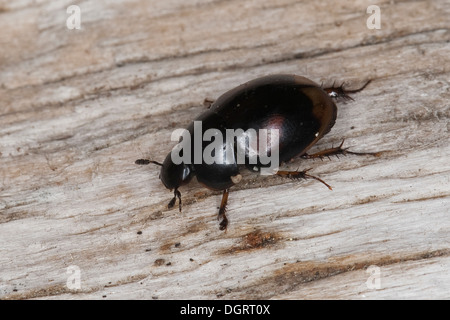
176	194
301	175
223	208
339	91
333	151
336	151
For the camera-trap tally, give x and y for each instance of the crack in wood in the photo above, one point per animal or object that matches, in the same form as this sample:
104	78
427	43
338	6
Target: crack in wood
291	276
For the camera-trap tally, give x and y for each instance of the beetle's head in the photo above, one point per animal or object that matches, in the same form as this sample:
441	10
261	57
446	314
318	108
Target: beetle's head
174	175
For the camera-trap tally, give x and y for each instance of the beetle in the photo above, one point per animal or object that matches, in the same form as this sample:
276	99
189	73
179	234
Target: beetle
299	109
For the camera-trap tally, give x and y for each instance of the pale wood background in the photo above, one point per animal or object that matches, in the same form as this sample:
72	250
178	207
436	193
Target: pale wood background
79	106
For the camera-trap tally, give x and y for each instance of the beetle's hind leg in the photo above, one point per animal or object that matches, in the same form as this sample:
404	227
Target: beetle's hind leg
301	175
223	208
176	194
339	91
336	151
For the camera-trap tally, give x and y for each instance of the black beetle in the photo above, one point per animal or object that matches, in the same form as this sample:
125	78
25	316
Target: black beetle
301	110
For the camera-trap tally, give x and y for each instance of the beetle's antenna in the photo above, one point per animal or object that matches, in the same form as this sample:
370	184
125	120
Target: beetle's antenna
146	161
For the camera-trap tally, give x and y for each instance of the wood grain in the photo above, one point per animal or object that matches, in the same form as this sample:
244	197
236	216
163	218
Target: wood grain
78	107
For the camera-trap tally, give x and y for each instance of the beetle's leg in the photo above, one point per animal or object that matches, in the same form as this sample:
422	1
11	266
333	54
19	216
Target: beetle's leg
208	102
301	175
335	151
223	208
176	194
340	92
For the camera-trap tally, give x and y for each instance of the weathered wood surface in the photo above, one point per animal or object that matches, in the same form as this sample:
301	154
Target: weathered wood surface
79	106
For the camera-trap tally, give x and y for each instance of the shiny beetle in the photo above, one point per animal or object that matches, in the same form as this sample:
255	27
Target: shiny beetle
301	110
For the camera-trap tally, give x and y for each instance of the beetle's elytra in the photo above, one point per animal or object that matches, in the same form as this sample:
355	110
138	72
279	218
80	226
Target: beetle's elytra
300	110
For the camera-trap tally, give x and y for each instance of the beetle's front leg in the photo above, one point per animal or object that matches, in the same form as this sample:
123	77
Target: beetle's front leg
176	194
223	208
